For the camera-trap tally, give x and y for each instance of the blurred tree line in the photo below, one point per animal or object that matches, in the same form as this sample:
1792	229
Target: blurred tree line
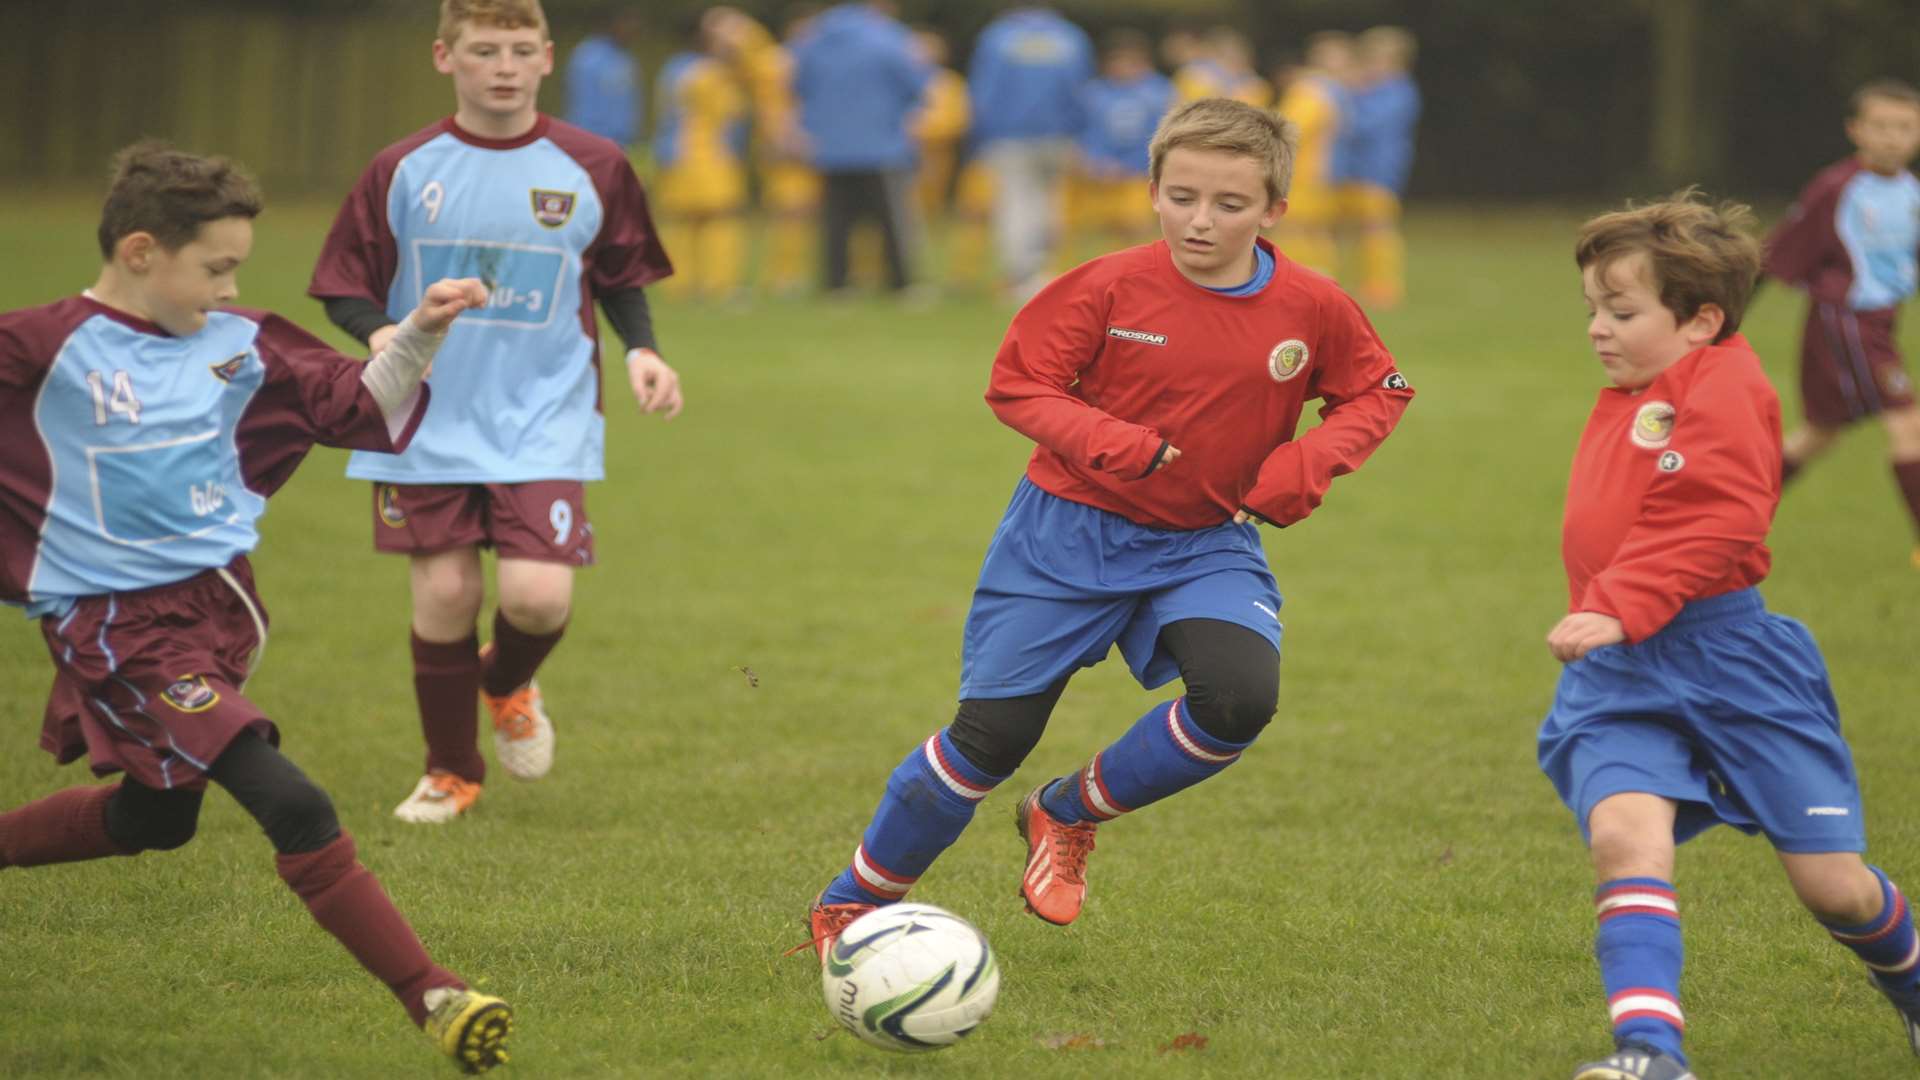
1524	98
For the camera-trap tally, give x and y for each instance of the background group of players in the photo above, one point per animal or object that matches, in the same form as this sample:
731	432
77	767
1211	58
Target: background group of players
732	131
524	228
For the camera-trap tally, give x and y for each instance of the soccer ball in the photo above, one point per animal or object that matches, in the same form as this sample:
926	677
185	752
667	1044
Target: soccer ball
910	977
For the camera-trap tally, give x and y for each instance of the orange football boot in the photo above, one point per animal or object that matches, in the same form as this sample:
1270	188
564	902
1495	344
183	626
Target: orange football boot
1055	885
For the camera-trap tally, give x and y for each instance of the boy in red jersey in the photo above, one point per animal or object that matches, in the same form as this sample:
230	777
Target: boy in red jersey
1684	703
143	425
1163	384
1852	241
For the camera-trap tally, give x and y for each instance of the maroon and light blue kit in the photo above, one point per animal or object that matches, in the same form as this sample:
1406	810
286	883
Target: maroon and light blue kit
136	467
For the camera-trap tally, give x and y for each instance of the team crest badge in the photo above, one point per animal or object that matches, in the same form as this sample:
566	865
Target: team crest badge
552	208
1287	359
226	369
1652	426
1671	461
1395	381
190	693
388	502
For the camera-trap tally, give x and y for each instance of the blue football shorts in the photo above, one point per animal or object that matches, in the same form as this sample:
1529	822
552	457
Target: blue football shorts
1728	712
1064	582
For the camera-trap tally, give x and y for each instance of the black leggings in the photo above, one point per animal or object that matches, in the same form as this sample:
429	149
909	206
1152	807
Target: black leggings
1233	686
295	814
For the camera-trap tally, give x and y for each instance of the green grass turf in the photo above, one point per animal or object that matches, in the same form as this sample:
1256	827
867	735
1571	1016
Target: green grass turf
1384	887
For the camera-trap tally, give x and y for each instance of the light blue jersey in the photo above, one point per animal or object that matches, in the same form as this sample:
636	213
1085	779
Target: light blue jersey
136	459
549	221
1878	220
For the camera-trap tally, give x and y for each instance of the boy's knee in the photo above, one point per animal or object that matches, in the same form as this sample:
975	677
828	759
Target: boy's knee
997	734
450	589
1838	888
1903	432
1623	846
292	810
299	818
140	820
536	612
1234	704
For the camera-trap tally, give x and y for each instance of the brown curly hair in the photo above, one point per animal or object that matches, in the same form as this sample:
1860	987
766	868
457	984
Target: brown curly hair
1697	253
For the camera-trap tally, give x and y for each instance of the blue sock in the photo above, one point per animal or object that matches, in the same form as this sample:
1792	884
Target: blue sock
1162	753
1638	946
929	800
1887	944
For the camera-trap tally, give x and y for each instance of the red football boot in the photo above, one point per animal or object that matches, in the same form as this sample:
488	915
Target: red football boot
1055	884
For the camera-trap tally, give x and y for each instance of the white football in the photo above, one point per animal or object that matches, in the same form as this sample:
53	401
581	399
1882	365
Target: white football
910	977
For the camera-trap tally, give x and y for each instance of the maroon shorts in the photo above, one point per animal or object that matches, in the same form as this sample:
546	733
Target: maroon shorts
149	682
544	520
1850	366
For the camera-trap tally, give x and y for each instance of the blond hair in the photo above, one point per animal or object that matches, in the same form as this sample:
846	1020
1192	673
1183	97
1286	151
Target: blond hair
1697	253
1227	126
505	14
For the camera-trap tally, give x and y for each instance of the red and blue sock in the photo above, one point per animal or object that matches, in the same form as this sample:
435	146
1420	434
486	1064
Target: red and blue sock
1164	752
1887	944
929	800
1638	946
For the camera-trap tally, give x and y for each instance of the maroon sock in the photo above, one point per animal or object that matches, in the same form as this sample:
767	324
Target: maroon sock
516	656
446	682
1908	473
348	902
66	826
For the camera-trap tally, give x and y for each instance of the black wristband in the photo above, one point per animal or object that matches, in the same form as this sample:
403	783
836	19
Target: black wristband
357	315
631	318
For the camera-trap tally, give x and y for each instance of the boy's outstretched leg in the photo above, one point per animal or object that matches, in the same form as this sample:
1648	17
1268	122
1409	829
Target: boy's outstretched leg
66	826
1637	940
1865	911
318	861
1233	686
96	821
929	801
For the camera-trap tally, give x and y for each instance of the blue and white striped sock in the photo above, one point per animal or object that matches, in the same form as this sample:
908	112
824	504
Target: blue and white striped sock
1887	944
929	800
1638	946
1162	753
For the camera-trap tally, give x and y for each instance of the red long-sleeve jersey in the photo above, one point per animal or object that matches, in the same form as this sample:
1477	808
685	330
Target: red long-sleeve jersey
1673	488
1124	355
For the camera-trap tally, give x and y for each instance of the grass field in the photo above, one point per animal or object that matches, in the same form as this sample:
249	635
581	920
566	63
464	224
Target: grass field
1384	887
